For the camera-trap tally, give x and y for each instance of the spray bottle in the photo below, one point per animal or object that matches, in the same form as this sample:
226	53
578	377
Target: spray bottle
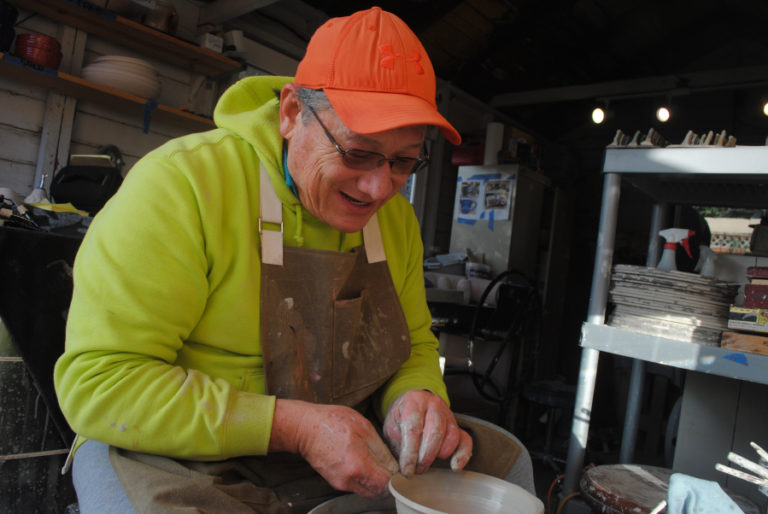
673	236
706	265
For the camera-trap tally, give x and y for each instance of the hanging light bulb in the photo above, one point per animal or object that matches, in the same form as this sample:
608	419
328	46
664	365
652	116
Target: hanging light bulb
662	114
598	115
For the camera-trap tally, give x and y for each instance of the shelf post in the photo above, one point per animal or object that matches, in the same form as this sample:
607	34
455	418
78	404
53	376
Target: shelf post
601	278
637	378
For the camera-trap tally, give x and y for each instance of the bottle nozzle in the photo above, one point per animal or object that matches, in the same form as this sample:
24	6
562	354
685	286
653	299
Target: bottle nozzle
685	243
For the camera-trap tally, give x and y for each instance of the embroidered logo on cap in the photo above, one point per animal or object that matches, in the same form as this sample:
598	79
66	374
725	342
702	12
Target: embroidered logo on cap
388	61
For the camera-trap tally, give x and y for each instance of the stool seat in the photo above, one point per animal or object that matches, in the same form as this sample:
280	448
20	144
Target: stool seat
635	489
622	488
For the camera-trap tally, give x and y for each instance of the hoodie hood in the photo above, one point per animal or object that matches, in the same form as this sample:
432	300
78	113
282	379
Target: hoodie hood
250	108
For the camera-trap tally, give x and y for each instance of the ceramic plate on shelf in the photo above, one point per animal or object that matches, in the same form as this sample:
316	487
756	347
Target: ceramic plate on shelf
129	74
107	67
125	81
126	60
126	64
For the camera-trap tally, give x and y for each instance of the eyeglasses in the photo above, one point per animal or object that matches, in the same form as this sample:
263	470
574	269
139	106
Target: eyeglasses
364	160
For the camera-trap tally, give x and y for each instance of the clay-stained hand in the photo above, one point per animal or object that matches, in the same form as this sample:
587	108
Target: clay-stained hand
420	427
338	442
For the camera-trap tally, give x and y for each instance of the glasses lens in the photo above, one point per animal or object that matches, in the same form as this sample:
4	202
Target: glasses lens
404	165
361	160
366	161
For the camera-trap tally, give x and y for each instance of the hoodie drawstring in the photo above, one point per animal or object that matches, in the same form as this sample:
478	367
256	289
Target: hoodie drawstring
298	237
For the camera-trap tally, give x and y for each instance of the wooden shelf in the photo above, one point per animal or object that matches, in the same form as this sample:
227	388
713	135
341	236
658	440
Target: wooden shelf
76	87
110	26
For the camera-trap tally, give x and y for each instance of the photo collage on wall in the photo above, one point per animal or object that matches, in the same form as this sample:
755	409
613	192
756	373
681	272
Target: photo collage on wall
484	196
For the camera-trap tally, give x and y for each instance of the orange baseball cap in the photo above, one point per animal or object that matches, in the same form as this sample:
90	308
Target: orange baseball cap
375	73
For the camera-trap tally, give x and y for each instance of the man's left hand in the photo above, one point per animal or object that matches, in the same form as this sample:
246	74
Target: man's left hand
420	427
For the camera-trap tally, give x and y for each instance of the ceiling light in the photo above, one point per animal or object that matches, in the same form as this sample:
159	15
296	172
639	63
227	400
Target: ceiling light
765	108
662	114
598	115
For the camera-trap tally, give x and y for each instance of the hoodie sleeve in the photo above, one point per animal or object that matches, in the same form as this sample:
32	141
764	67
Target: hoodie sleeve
405	255
141	286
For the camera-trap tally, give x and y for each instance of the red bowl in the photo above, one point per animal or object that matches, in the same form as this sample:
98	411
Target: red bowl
41	56
40	46
39	40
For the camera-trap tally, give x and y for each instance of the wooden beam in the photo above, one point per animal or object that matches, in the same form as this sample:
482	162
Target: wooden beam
223	10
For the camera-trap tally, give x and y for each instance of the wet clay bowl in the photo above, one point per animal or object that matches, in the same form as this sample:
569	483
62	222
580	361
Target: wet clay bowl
441	491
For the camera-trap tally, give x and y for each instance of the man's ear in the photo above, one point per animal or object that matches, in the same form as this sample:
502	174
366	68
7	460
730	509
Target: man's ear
290	110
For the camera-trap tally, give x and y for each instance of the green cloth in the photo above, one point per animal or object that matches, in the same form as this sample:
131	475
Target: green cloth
163	349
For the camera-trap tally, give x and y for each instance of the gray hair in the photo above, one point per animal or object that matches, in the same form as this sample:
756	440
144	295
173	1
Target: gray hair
313	98
318	100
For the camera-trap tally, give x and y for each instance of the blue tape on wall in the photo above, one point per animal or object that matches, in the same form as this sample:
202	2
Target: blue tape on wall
485	177
148	107
489	214
18	61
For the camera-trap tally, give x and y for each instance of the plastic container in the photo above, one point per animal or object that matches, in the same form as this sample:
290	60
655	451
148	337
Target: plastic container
478	270
452	263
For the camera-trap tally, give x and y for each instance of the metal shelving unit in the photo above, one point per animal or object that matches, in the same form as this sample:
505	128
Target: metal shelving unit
715	176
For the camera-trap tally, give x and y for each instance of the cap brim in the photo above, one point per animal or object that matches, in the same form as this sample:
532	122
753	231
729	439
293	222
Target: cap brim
367	112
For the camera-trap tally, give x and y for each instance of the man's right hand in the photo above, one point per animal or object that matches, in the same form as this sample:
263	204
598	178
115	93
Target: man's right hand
338	442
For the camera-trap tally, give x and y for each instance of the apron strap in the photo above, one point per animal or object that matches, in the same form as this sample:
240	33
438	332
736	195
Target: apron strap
271	211
374	247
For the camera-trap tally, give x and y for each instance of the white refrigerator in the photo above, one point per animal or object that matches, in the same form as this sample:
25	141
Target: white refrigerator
498	214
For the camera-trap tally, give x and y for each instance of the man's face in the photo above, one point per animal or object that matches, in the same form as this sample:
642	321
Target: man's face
339	196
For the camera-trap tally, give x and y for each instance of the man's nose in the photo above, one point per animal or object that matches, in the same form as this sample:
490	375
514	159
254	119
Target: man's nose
377	183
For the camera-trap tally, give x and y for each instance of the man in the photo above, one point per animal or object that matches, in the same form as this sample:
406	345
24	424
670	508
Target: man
252	292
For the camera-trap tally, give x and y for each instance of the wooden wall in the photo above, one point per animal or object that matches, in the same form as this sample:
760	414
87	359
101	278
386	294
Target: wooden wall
32	150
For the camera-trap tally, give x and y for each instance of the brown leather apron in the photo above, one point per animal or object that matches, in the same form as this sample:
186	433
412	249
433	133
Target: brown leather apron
335	330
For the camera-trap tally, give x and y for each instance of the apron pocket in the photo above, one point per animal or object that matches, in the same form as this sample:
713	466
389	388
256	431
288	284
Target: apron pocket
357	362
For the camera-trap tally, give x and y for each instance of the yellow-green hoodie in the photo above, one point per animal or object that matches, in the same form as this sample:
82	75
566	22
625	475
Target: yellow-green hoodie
163	349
